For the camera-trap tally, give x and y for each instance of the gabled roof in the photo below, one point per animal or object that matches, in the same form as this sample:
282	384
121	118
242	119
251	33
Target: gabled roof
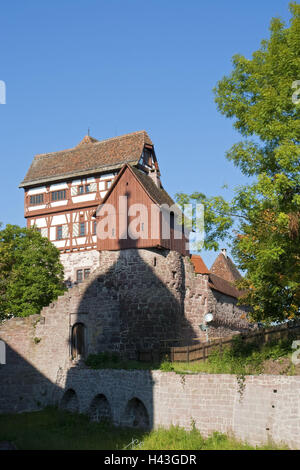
215	282
88	157
158	195
199	265
223	286
224	267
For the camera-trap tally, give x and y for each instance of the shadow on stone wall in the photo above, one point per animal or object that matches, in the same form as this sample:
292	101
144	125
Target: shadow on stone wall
134	304
22	386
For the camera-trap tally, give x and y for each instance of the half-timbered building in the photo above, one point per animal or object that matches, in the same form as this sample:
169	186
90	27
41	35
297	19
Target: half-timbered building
63	190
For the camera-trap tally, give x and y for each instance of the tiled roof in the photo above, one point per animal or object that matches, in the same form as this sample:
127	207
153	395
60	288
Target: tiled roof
199	265
88	157
223	286
225	268
159	195
215	282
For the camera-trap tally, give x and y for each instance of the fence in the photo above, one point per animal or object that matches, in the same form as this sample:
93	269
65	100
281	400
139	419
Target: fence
202	350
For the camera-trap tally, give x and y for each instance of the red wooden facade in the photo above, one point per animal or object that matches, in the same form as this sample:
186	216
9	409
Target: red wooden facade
132	209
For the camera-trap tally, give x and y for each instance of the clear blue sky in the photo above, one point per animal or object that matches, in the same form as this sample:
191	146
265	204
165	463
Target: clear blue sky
119	66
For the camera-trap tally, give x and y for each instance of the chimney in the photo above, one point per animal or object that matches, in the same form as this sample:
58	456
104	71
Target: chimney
224	252
154	175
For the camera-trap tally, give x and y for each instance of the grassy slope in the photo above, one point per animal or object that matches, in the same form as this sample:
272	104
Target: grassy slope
53	429
241	358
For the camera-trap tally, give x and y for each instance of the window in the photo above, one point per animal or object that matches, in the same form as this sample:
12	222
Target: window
94	227
59	232
172	221
79	275
58	195
82	229
87	272
84	189
108	184
37	199
147	158
82	274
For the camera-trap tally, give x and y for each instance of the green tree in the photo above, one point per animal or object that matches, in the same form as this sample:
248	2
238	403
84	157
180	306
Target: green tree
31	275
260	96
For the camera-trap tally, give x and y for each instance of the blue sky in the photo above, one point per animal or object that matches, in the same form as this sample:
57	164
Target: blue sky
118	66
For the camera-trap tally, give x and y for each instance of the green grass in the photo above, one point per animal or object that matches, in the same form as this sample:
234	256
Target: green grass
176	438
241	358
53	429
56	429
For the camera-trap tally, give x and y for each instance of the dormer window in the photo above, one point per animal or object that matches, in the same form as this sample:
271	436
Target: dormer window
147	158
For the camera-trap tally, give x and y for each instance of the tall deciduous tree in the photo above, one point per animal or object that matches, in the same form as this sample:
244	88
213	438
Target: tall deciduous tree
31	275
261	96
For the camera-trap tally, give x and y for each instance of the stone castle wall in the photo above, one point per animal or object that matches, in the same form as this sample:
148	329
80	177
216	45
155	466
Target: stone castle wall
133	300
78	260
266	408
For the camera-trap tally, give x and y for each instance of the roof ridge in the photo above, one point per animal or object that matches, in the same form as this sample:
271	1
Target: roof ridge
91	143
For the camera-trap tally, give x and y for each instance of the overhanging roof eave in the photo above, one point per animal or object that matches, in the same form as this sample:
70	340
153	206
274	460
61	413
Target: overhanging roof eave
102	169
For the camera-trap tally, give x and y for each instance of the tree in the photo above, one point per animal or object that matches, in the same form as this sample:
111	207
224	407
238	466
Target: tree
260	96
31	275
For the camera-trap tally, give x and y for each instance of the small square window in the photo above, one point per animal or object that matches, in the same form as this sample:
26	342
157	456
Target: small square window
79	275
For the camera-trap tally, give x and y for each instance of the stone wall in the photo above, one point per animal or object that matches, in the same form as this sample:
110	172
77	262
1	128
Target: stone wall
199	299
78	260
229	317
133	300
266	408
